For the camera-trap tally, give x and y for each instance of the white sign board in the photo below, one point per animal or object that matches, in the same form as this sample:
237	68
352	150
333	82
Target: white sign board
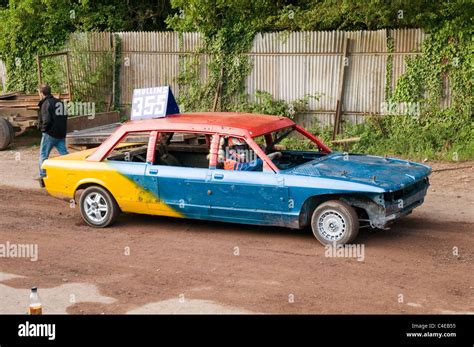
156	102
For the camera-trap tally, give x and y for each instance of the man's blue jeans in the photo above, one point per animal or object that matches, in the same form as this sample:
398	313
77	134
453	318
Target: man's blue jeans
47	144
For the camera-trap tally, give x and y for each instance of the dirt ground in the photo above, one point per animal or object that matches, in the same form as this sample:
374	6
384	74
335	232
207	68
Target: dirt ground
143	264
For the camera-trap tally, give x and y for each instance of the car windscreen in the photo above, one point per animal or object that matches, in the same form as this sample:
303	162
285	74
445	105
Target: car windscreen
295	148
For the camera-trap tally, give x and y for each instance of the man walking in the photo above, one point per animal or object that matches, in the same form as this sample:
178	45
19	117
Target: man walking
52	121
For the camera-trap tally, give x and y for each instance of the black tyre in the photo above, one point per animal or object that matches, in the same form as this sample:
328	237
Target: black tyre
12	132
335	222
98	207
6	133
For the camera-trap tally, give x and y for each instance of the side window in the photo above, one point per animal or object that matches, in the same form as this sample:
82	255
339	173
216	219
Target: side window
182	149
133	148
291	140
235	154
260	140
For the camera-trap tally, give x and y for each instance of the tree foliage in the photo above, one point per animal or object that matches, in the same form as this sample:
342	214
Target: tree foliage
366	15
227	29
31	27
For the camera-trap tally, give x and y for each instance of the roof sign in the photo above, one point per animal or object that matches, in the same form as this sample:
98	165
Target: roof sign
156	102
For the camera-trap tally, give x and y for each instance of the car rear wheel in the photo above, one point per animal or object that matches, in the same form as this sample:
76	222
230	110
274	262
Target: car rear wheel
98	207
335	222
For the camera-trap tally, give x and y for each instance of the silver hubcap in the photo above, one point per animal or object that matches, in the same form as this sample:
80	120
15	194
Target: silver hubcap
331	225
95	207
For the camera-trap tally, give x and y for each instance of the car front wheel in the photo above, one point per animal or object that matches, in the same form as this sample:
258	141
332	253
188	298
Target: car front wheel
335	222
98	207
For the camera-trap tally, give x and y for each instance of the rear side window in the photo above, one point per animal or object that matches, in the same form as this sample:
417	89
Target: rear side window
133	148
182	149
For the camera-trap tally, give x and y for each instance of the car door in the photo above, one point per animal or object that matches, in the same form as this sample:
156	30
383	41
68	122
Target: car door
125	173
180	191
258	197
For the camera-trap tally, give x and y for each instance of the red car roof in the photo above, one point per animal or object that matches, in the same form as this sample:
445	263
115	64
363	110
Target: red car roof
255	124
230	123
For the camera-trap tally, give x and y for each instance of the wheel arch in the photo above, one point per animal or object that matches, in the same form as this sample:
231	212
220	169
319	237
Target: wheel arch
355	200
84	184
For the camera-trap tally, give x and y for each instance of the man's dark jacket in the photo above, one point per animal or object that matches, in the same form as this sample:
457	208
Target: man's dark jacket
52	117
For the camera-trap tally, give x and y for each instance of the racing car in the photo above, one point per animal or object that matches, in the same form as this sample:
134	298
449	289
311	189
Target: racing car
176	166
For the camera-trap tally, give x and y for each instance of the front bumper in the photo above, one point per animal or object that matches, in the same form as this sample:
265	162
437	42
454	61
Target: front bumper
384	209
404	206
400	203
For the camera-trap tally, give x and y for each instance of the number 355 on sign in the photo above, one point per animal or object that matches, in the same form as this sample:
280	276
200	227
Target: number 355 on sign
149	103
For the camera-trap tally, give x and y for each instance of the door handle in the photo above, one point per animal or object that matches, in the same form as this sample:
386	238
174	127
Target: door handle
218	176
153	172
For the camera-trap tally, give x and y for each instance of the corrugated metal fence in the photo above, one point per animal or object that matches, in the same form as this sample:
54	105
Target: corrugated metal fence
288	66
311	62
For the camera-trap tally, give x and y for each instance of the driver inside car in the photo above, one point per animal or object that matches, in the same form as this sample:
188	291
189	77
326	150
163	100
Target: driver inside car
238	156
